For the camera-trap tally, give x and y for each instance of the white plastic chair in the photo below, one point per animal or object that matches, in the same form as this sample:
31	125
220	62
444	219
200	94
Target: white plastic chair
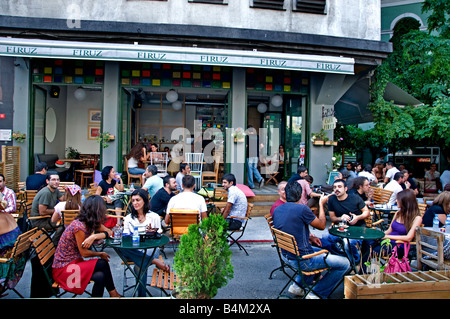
195	162
160	160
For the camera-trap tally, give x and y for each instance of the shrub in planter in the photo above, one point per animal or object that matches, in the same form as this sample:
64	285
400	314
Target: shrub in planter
203	259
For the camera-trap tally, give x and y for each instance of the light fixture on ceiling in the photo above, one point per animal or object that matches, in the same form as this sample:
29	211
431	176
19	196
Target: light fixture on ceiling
172	96
262	107
80	94
276	100
177	105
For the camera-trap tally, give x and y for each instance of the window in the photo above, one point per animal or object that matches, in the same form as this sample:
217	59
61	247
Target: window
268	4
310	6
210	1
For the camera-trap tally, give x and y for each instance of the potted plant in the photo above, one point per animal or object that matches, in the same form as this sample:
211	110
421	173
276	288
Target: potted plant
203	259
319	138
72	153
239	135
105	138
19	137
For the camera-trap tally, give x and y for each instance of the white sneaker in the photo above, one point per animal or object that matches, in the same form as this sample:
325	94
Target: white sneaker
296	290
312	295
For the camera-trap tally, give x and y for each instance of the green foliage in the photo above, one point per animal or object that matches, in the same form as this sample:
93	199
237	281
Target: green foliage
203	260
72	152
439	18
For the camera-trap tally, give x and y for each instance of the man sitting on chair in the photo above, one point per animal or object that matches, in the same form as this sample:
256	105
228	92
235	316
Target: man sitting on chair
153	182
236	202
187	199
185	169
38	179
8	195
294	218
162	197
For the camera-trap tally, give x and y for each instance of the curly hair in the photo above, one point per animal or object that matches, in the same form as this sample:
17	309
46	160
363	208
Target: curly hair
93	212
136	152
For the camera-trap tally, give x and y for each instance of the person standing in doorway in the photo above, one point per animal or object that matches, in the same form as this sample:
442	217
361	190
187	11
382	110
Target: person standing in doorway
253	149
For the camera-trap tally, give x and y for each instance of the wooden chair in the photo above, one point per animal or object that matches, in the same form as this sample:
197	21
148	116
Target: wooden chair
287	242
45	250
220	197
430	244
16	260
132	176
62	186
380	195
68	216
269	220
208	176
180	219
241	230
87	169
422	208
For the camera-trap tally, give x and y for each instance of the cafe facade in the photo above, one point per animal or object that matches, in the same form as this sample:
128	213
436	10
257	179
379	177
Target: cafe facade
66	92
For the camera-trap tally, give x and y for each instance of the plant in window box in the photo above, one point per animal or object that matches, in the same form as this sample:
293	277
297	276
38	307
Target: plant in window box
105	138
19	137
239	135
203	260
319	138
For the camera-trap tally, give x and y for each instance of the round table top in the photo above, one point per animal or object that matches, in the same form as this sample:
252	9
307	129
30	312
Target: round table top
127	243
357	232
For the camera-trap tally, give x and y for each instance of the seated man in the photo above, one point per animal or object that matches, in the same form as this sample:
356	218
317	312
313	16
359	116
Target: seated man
185	169
187	199
8	195
391	170
394	185
344	207
295	219
302	171
158	203
43	205
153	182
282	199
236	203
361	187
38	179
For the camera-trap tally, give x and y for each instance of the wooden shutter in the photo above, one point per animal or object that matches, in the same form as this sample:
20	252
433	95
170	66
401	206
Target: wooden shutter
11	158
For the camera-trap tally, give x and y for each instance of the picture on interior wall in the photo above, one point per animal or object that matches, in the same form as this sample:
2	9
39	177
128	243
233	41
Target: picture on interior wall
95	116
93	132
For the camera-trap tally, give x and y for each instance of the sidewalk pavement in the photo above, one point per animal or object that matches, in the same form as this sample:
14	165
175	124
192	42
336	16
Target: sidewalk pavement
251	273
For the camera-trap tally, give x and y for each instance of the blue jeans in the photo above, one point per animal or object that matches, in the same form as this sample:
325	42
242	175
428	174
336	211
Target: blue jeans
339	268
135	255
252	169
136	170
332	244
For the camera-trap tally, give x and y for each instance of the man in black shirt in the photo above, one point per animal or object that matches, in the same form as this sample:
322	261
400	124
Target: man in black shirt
345	207
361	187
159	201
38	179
302	171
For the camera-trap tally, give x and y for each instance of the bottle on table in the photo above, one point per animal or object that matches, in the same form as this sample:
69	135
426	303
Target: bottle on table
436	223
135	238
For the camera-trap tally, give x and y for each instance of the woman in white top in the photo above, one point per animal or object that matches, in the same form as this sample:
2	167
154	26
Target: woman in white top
72	202
137	154
143	218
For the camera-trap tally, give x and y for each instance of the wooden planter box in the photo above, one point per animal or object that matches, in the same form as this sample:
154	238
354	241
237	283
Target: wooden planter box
410	285
319	142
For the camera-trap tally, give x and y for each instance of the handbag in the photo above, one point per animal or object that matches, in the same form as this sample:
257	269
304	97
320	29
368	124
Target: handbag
395	265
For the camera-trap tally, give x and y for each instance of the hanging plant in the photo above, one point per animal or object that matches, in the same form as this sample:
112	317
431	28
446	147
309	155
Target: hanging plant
105	138
319	138
19	137
239	135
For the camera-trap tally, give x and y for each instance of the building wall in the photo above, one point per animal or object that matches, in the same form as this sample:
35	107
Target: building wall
351	18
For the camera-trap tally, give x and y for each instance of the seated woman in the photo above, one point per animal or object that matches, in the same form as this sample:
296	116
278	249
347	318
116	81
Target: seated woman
440	207
73	247
9	231
105	189
405	221
72	201
137	154
143	218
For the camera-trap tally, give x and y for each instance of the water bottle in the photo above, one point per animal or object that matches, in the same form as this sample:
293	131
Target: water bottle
83	198
132	187
135	236
447	224
435	223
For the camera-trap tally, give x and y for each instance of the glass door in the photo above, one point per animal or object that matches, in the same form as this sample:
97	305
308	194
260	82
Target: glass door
294	133
38	124
127	137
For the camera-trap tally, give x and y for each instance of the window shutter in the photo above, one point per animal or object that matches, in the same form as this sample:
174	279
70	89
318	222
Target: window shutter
268	4
310	6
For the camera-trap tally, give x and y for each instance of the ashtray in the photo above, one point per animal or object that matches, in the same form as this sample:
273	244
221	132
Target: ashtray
151	233
342	231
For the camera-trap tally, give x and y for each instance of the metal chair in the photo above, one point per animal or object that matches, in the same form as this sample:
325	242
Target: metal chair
241	230
269	220
195	162
160	160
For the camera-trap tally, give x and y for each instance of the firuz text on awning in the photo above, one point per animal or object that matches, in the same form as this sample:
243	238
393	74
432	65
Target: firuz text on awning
163	54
